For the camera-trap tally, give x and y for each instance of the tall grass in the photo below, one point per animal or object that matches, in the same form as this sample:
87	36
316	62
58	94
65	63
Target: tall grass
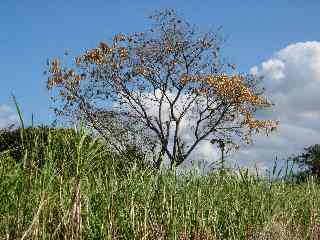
83	191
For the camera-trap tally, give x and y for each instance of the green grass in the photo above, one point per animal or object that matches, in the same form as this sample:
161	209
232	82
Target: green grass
82	191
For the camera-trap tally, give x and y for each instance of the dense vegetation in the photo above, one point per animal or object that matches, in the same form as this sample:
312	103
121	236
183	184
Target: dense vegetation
64	184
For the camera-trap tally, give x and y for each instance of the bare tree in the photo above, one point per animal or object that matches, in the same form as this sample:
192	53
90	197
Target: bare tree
144	86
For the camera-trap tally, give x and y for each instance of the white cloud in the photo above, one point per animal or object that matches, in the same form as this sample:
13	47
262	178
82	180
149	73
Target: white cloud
7	116
274	69
292	80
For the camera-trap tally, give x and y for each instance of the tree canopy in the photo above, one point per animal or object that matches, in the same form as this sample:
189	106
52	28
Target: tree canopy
166	89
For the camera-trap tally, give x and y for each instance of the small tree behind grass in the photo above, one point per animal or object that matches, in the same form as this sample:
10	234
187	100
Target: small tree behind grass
309	162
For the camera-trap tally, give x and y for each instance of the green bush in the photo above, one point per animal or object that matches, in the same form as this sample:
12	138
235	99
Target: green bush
30	146
21	143
308	163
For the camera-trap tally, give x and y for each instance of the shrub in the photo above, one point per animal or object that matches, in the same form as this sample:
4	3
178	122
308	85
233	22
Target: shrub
33	143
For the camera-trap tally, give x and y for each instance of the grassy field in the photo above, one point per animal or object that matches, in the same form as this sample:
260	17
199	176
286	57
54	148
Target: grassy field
71	187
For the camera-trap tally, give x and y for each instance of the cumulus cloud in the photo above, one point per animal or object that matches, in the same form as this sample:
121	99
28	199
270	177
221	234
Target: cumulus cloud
7	116
292	81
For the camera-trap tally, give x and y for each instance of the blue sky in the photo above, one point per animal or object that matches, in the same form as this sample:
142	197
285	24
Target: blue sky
34	30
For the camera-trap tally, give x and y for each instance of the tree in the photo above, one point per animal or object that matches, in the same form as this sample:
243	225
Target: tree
143	87
308	161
